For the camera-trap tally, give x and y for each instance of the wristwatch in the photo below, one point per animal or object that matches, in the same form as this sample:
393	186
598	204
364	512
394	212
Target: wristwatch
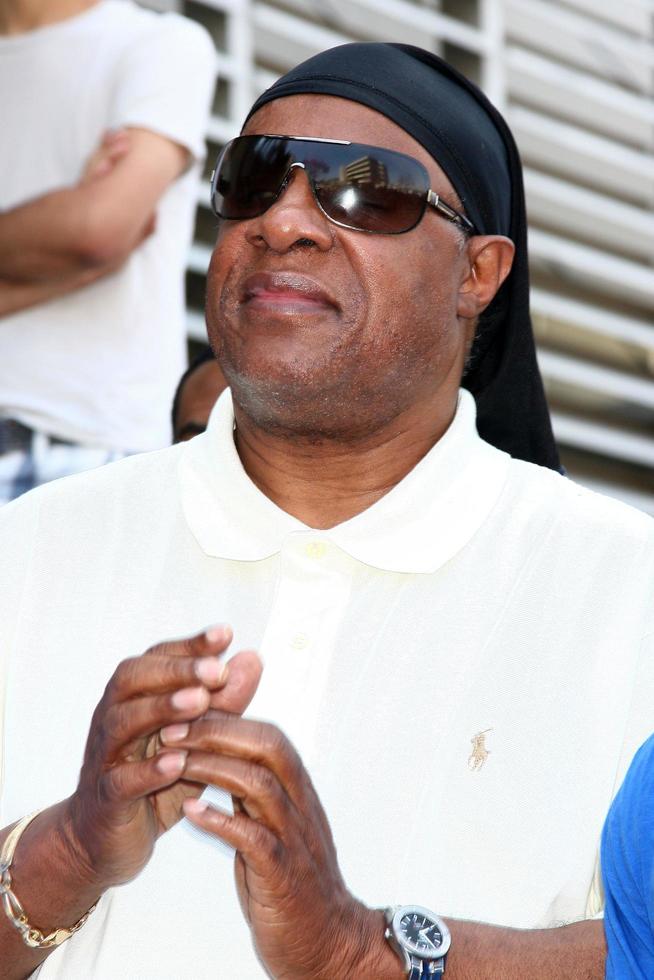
420	937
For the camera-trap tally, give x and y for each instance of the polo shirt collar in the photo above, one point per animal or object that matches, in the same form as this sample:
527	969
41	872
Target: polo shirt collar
416	527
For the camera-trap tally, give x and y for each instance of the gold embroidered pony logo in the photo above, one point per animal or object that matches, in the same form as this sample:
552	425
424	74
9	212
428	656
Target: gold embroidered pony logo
479	752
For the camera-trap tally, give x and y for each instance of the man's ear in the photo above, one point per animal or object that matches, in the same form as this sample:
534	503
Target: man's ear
489	261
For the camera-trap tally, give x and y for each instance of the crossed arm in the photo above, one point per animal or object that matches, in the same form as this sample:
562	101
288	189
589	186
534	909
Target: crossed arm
68	238
169	724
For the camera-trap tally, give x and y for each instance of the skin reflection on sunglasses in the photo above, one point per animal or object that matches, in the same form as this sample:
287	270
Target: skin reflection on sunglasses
305	314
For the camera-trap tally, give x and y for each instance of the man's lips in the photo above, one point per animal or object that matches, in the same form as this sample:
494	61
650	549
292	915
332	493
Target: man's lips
285	292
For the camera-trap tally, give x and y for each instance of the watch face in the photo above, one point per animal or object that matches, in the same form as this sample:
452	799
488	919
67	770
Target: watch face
419	932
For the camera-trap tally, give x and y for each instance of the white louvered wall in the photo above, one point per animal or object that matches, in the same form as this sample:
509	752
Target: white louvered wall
576	81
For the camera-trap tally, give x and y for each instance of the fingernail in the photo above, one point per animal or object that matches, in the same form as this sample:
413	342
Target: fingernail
195	807
211	671
188	699
174	733
171	762
218	633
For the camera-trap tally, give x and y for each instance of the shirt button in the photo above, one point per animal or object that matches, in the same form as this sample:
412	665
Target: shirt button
315	549
300	641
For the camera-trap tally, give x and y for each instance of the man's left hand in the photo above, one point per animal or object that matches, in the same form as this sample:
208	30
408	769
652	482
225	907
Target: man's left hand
305	923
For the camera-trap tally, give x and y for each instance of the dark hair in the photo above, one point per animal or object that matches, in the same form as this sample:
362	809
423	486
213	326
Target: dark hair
206	354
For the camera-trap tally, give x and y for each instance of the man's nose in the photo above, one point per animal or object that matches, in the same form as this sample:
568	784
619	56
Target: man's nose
294	218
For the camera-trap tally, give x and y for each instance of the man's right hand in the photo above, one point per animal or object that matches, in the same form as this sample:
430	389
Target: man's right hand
131	788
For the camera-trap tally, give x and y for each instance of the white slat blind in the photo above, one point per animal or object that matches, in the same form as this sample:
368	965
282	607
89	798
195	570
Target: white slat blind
576	81
580	81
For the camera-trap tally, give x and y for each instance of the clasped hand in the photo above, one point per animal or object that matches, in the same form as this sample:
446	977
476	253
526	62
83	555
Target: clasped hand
304	922
169	724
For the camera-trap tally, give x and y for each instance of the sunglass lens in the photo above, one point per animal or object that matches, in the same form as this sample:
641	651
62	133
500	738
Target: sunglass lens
371	189
359	186
248	177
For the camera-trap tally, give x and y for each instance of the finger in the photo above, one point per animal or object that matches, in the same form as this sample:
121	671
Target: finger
102	160
113	137
97	170
211	641
158	673
111	150
132	719
101	169
257	788
222	733
260	848
111	156
131	781
91	165
244	673
245	670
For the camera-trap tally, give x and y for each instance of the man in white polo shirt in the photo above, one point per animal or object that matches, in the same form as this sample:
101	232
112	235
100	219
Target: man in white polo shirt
456	643
91	270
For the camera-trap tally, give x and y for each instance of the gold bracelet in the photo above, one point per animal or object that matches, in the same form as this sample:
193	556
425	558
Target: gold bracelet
13	908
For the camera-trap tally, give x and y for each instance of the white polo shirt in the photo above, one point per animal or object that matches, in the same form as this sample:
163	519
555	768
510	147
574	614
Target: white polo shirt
466	669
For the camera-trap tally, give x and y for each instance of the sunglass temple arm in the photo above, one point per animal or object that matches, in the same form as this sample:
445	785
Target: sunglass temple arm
460	219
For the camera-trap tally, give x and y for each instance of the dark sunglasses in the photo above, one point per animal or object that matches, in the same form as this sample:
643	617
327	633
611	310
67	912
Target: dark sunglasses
366	188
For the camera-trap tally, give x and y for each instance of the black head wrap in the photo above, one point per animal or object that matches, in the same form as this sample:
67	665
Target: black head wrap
472	143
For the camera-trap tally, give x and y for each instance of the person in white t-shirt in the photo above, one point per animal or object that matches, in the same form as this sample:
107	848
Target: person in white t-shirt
103	118
458	642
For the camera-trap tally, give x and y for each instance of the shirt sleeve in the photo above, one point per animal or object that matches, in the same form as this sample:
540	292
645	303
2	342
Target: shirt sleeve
627	858
164	82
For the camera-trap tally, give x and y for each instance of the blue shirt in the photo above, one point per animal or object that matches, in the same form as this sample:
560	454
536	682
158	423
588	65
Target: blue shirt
628	871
